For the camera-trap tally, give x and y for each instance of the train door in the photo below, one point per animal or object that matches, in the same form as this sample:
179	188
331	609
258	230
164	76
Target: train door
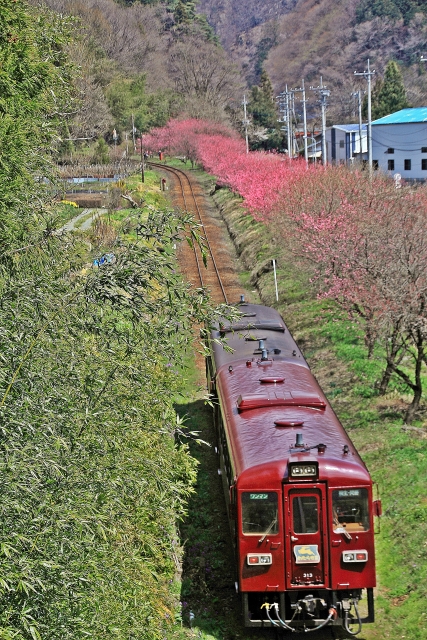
306	537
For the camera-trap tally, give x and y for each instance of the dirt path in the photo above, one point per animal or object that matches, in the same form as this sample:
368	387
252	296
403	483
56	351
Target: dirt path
87	215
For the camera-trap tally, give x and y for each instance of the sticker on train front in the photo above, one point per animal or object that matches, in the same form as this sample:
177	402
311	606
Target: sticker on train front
306	553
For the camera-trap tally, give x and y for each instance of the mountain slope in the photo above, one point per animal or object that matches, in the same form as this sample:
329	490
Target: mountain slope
329	38
230	18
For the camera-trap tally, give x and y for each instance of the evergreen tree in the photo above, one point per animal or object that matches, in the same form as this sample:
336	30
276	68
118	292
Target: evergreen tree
392	9
262	112
101	153
184	12
389	94
262	106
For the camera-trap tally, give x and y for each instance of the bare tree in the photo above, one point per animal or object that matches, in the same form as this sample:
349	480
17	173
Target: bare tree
204	77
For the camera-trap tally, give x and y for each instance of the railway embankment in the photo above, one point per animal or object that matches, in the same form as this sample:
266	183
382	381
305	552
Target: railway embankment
395	455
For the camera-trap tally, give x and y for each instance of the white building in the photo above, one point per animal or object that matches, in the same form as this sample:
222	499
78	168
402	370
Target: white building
399	143
343	143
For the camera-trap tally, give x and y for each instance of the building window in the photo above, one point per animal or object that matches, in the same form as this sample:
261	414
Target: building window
341	144
390	165
423	149
375	165
424	164
407	165
390	150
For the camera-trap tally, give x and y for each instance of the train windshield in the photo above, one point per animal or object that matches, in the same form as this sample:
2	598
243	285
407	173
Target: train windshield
305	514
259	513
350	509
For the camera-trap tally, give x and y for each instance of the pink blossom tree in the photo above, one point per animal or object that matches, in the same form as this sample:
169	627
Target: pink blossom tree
365	240
368	247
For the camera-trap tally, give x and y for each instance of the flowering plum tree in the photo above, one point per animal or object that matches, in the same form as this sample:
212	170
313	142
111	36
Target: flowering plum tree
368	245
347	226
258	177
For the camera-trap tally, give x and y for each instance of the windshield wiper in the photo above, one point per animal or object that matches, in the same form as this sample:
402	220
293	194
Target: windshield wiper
270	527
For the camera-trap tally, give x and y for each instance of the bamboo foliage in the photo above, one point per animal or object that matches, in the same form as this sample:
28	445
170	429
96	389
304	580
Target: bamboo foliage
92	475
92	481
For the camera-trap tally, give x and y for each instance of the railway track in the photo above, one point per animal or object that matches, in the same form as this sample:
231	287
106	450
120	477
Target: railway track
219	277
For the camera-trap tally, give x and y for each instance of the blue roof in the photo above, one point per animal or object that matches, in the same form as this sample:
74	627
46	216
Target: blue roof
418	114
349	127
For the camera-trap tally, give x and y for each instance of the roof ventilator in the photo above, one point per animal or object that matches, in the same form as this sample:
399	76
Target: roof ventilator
259	401
289	423
248	326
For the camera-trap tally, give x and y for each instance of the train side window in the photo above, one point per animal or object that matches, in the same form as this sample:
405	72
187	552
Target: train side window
260	513
305	515
350	509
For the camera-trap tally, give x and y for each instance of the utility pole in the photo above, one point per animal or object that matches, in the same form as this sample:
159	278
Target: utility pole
285	110
142	163
245	123
367	75
133	133
323	94
302	90
288	120
358	95
115	136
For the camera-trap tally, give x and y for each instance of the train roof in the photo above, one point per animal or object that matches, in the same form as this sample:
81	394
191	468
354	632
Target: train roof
268	396
256	323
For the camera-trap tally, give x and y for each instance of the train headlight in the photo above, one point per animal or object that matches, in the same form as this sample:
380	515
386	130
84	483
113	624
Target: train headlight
303	470
355	556
259	558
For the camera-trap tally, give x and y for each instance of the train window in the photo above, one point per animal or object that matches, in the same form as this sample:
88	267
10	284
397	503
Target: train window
350	509
259	513
305	514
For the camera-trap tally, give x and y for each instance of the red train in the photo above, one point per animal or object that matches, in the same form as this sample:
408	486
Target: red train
299	498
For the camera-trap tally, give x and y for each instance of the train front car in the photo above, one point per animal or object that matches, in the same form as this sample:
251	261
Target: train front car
299	496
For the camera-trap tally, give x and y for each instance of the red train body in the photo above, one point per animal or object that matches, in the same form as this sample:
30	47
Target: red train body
299	497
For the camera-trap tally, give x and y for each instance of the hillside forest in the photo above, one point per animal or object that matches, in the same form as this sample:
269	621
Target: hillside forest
96	463
141	63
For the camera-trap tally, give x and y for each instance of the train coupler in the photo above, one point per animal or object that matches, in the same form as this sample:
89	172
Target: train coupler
310	604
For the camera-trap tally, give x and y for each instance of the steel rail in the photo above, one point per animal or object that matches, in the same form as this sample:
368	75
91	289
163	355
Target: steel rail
170	169
178	173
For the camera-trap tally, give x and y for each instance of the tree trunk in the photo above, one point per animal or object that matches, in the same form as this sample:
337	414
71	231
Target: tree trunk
417	387
413	407
393	359
385	380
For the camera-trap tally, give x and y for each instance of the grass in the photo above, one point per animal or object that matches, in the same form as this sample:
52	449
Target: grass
396	456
